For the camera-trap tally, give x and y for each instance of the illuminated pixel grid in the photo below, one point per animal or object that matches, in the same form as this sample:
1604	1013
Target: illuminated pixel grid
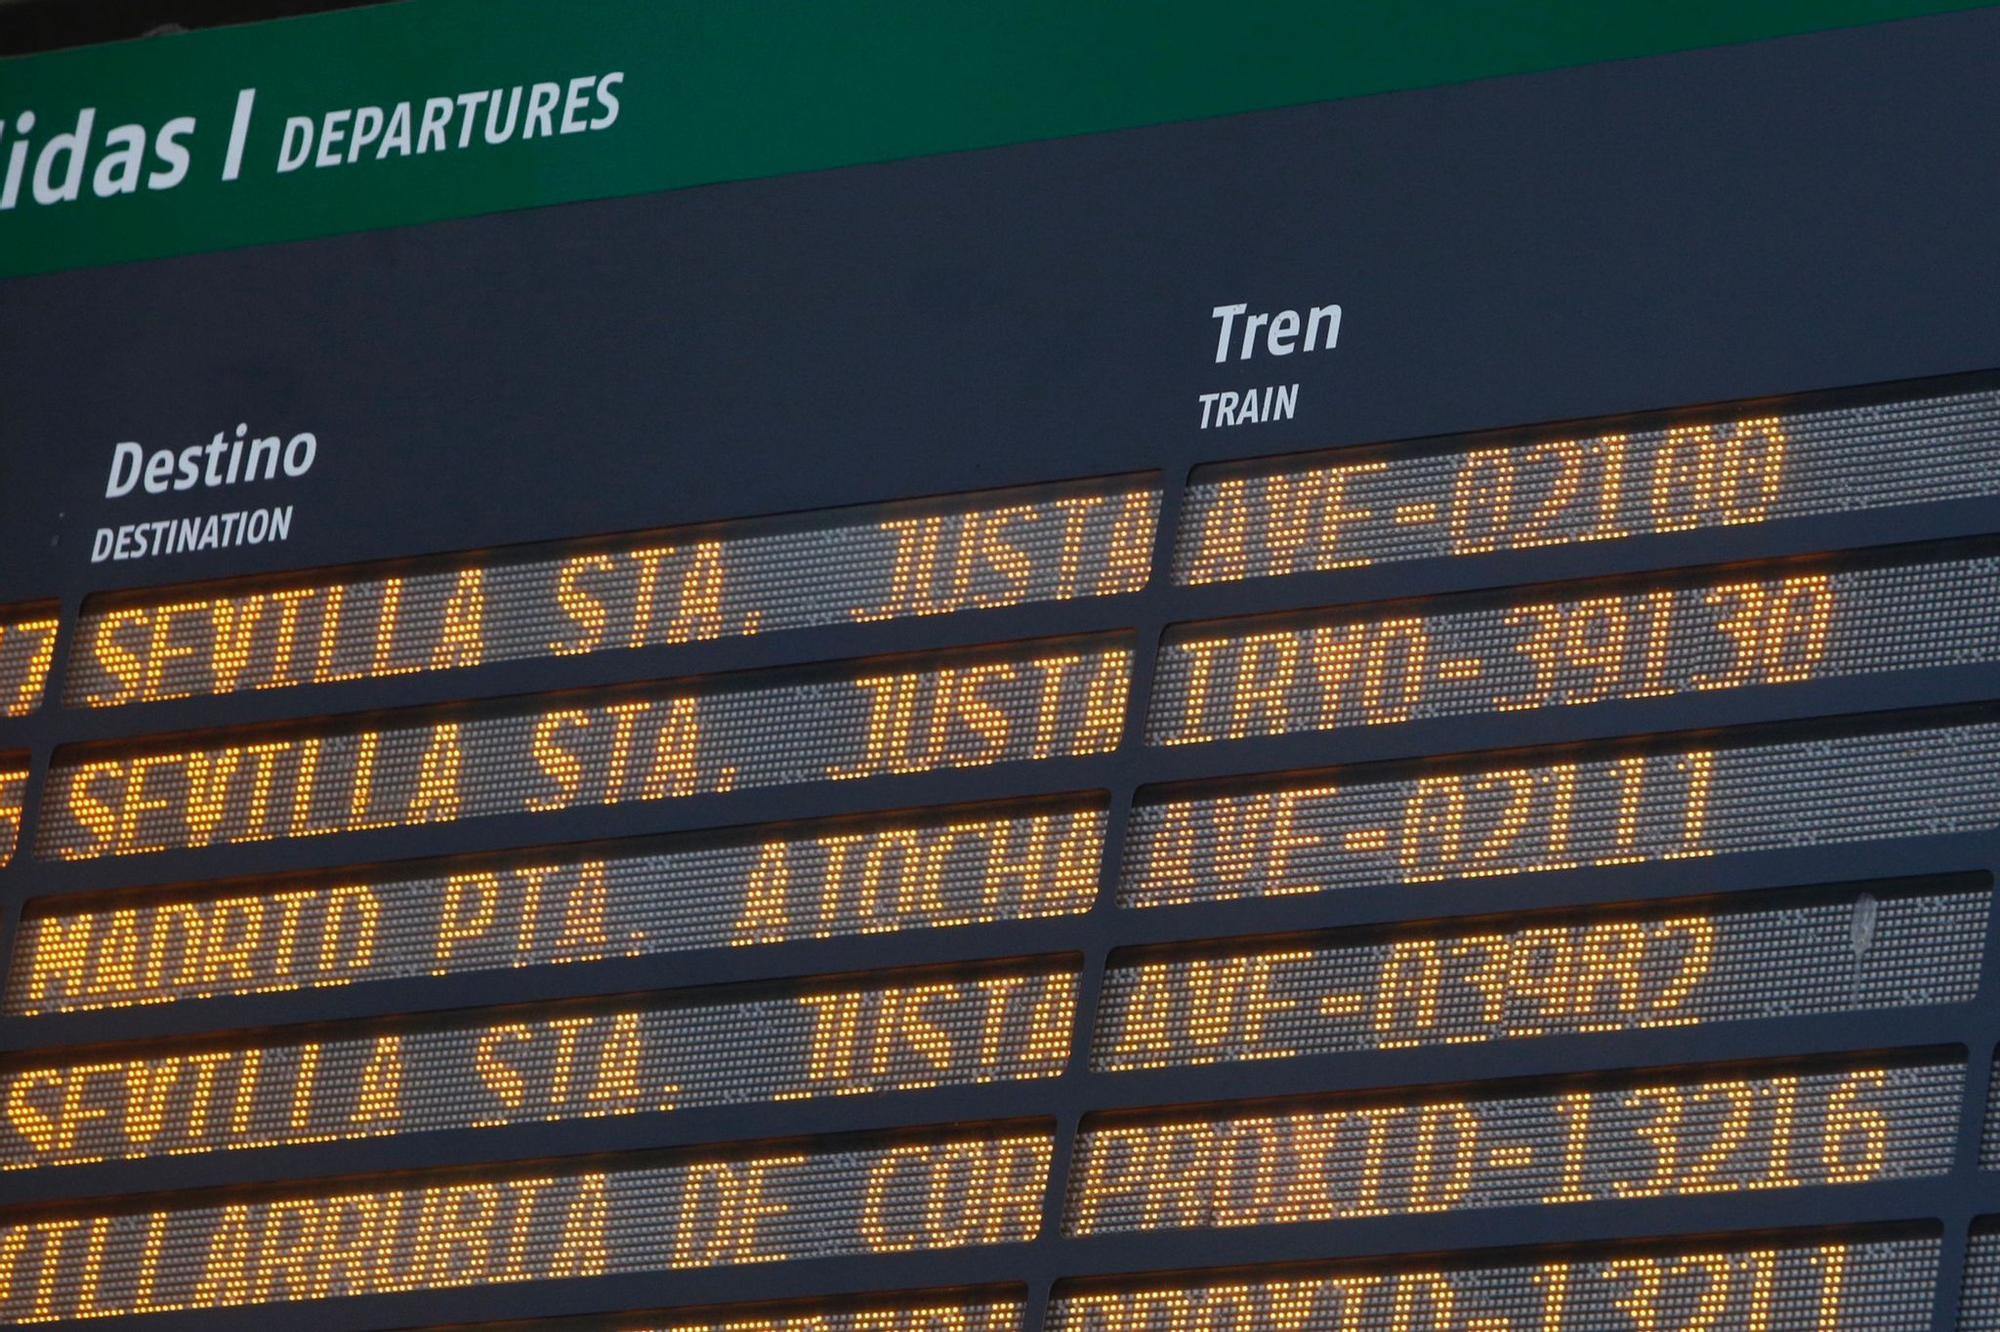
1979	1299
841	878
1677	965
1868	1286
946	1193
566	1063
1265	520
1057	703
13	796
1052	543
1421	1154
1550	816
1989	1138
1409	1151
1335	671
27	646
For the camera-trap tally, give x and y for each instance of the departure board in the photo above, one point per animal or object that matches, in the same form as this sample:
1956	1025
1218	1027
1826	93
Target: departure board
1420	1154
1381	716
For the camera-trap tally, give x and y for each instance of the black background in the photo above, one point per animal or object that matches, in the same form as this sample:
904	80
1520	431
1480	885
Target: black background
1810	214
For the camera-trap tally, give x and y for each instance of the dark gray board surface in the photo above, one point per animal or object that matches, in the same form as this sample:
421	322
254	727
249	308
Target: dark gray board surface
1811	214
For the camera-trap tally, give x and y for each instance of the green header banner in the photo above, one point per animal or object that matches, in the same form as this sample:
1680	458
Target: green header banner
429	109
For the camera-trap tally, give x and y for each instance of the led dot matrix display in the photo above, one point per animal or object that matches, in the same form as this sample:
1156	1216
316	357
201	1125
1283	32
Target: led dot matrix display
971	867
1979	1299
1277	518
13	794
1699	1075
1790	1285
1088	539
1424	1153
1787	1286
771	1207
1321	672
1328	673
1543	816
1677	965
27	646
630	748
541	1065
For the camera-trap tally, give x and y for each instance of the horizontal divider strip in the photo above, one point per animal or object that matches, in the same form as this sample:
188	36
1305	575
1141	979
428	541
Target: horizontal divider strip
743	578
